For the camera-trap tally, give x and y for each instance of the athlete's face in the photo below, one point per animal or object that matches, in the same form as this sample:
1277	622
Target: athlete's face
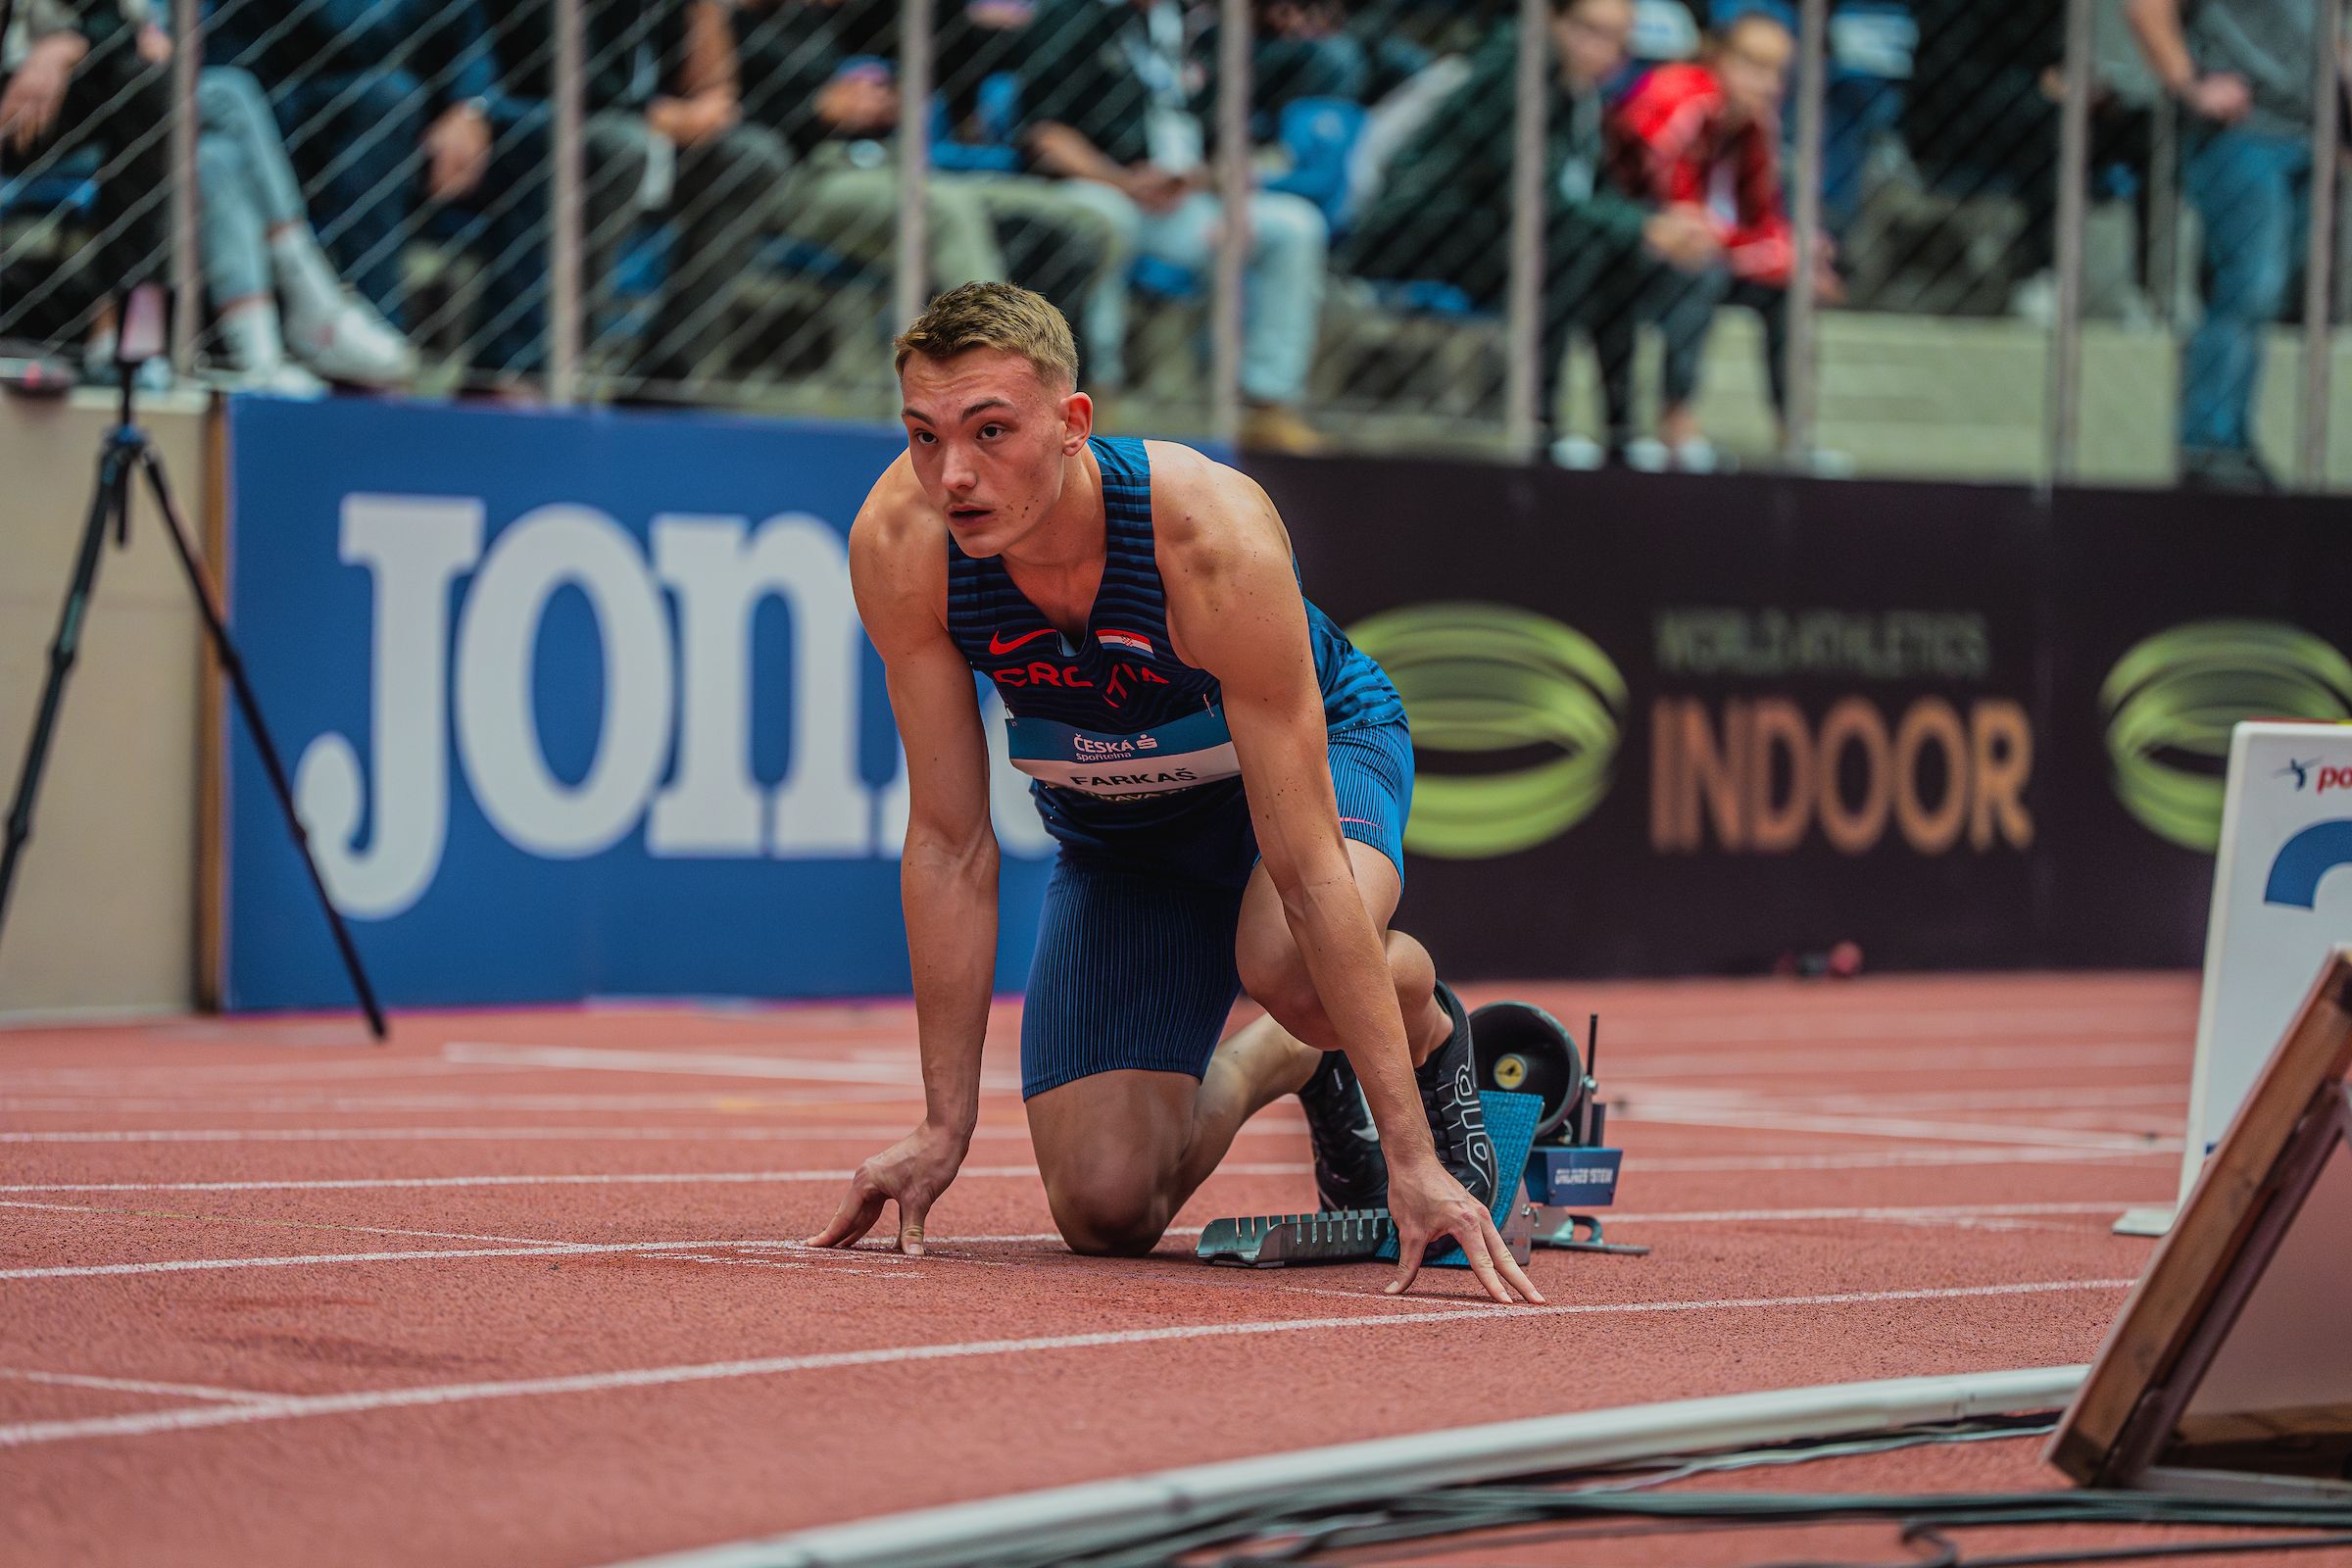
988	437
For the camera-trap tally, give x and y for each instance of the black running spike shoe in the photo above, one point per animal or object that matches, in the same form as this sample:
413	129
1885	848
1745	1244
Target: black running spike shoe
1349	1172
1457	1123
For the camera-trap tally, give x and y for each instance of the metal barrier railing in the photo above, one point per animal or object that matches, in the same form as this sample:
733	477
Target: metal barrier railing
1932	236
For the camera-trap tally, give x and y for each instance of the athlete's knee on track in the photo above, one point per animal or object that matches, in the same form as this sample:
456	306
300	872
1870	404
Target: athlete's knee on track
1110	1205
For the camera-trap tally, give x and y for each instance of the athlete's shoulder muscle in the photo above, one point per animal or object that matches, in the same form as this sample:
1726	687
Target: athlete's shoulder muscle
1226	562
898	562
1202	508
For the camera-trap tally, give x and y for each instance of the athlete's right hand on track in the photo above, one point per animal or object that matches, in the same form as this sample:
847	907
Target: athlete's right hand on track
1427	1205
911	1173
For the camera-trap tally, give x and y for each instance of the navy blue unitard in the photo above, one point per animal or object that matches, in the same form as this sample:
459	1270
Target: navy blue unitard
1133	771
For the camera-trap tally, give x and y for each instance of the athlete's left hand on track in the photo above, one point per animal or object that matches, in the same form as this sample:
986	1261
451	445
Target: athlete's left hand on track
1427	1205
912	1172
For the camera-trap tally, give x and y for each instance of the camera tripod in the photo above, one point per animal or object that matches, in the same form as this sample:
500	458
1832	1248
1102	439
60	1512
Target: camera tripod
126	453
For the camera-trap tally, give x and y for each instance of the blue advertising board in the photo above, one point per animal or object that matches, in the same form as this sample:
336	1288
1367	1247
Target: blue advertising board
575	705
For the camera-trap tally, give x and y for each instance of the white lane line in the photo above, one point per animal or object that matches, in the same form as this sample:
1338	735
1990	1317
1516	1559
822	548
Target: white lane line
354	1184
1686	1113
713	1065
411	1135
1794	1021
1687	1164
1626	1093
193	1265
2169	1095
151	1080
385	1105
185	1391
1927	1212
594	1178
150	1423
1694	1164
1693	1114
1630	1067
276	1224
1956	1213
512	1245
736	1105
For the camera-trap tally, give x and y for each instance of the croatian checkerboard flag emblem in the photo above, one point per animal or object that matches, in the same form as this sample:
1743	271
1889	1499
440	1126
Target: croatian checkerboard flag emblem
1133	642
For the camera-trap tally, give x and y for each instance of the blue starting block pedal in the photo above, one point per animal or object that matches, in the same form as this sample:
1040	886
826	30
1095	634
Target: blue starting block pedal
1512	1124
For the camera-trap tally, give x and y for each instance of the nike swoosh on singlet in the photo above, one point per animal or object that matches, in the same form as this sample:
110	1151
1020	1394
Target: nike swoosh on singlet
998	646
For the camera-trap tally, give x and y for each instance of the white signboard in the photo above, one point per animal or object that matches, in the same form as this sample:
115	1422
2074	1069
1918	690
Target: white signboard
2281	898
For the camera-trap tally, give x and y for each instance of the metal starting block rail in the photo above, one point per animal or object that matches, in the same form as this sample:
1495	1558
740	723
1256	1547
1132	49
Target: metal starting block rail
1269	1240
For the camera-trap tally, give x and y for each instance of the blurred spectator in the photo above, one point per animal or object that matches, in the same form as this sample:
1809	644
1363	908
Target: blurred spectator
723	197
823	73
1978	119
1976	109
370	93
73	74
839	112
1108	102
1707	135
2243	71
1981	117
1445	211
1309	49
659	91
260	253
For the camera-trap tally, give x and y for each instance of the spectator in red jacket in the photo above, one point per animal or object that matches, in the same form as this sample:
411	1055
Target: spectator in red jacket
1708	135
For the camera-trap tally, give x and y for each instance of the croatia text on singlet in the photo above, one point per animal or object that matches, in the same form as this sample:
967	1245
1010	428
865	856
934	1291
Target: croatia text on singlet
1113	718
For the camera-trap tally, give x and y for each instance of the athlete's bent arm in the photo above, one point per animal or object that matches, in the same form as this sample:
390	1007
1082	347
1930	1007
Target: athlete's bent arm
1234	602
946	877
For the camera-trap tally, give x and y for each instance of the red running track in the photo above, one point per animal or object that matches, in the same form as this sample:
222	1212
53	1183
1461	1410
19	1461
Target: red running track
524	1287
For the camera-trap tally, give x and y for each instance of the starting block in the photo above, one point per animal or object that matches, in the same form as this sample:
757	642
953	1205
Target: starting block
1361	1235
1543	1112
1570	1170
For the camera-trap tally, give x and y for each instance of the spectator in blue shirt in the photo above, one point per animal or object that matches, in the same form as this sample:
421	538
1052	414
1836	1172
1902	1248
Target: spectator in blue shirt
2242	68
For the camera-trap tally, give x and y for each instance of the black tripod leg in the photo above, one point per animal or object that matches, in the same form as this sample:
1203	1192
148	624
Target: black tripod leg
234	667
112	494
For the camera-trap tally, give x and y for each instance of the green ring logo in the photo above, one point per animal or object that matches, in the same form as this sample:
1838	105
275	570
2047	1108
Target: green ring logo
1488	678
2172	700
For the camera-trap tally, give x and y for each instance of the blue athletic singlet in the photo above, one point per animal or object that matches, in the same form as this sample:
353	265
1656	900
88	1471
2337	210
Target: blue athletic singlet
1134	772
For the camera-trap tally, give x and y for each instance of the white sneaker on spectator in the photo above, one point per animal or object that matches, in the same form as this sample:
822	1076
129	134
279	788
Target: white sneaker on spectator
1578	452
335	332
1695	456
284	379
1825	463
252	351
1649	454
2035	300
1653	456
349	342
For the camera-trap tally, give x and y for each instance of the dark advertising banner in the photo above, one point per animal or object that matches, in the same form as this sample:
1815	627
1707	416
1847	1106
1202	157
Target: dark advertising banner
1668	724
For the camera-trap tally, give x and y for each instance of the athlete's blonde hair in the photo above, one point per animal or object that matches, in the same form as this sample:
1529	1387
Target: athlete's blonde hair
994	315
